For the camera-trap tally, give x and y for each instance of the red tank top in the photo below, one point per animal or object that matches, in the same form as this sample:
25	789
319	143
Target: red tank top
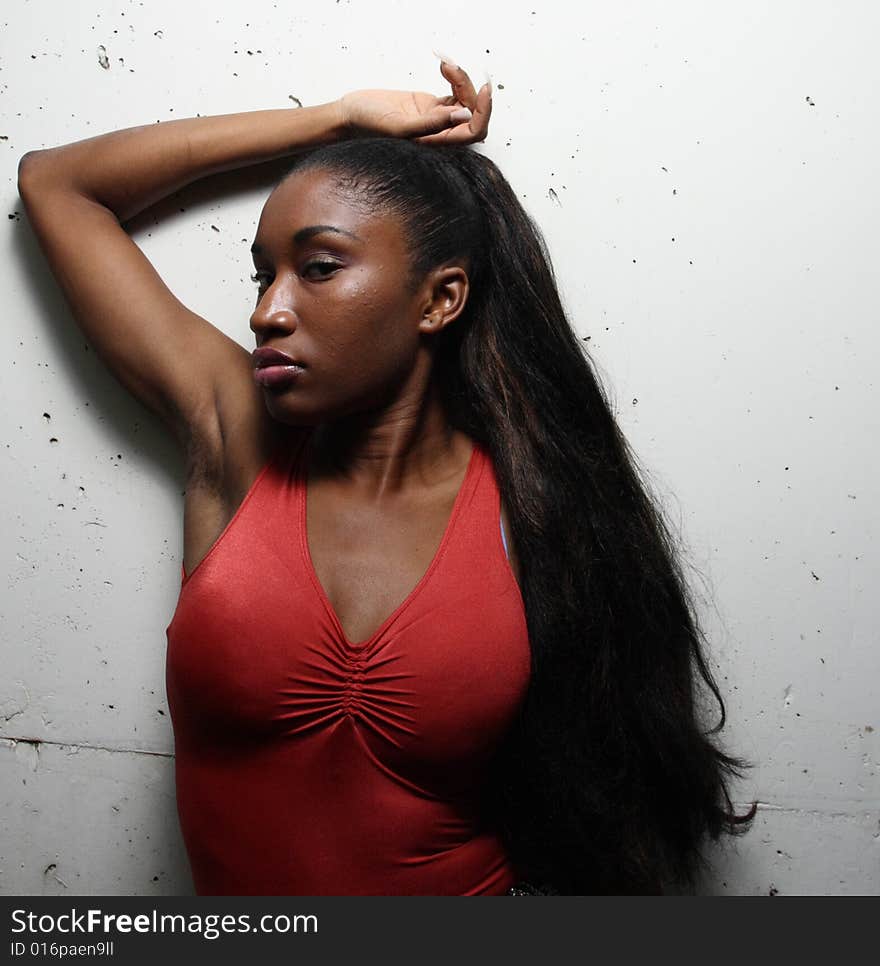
309	765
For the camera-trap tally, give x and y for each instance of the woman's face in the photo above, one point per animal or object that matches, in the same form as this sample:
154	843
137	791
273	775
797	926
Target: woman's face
333	296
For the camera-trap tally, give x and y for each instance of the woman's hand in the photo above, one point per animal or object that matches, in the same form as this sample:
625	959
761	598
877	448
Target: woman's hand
460	118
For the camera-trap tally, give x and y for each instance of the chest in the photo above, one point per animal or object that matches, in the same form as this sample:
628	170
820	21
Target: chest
367	558
314	612
256	653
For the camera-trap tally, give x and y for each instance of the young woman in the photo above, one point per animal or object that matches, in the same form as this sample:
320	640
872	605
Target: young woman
432	635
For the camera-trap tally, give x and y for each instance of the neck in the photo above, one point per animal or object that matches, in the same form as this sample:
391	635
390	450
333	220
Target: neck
409	443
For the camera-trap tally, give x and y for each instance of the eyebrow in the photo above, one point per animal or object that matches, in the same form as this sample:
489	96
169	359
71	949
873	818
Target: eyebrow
304	234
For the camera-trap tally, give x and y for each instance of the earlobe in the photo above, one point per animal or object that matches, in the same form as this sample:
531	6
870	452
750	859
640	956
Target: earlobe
432	321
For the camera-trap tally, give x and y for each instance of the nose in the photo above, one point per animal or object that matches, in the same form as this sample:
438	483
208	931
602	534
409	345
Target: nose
274	314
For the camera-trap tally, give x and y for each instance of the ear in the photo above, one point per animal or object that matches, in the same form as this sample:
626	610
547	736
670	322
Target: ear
446	292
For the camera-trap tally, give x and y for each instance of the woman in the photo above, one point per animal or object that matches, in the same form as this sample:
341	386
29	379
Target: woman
432	636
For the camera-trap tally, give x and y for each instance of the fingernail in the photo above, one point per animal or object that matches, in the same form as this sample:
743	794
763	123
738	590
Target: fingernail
445	59
460	114
488	82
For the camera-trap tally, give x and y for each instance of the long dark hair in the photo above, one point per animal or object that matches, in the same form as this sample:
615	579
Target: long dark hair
608	781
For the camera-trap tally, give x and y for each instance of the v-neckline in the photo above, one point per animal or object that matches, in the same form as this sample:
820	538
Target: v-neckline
303	480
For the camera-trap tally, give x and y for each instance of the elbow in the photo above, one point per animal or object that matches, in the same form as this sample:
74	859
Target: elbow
27	168
36	167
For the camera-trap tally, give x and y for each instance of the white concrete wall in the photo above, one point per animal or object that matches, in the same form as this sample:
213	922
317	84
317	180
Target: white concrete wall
705	174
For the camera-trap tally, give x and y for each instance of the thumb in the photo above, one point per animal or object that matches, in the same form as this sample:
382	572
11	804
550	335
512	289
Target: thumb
460	115
443	117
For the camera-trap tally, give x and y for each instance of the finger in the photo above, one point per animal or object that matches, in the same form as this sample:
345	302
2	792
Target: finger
442	118
482	111
462	87
474	129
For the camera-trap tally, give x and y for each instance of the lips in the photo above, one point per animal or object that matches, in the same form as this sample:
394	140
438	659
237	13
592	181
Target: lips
265	356
274	369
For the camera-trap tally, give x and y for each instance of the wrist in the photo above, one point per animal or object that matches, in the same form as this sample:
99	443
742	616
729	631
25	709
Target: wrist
338	121
317	124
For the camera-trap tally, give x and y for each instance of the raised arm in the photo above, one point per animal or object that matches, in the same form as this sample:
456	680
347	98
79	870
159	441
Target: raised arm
78	195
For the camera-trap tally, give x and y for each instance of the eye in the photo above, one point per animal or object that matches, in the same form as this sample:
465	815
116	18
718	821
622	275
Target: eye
323	267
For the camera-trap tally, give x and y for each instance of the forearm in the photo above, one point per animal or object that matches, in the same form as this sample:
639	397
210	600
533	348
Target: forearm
130	169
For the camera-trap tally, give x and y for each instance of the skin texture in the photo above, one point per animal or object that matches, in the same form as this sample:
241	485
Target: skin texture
385	467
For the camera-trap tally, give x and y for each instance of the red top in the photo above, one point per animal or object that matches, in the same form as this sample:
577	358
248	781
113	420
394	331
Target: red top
310	765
